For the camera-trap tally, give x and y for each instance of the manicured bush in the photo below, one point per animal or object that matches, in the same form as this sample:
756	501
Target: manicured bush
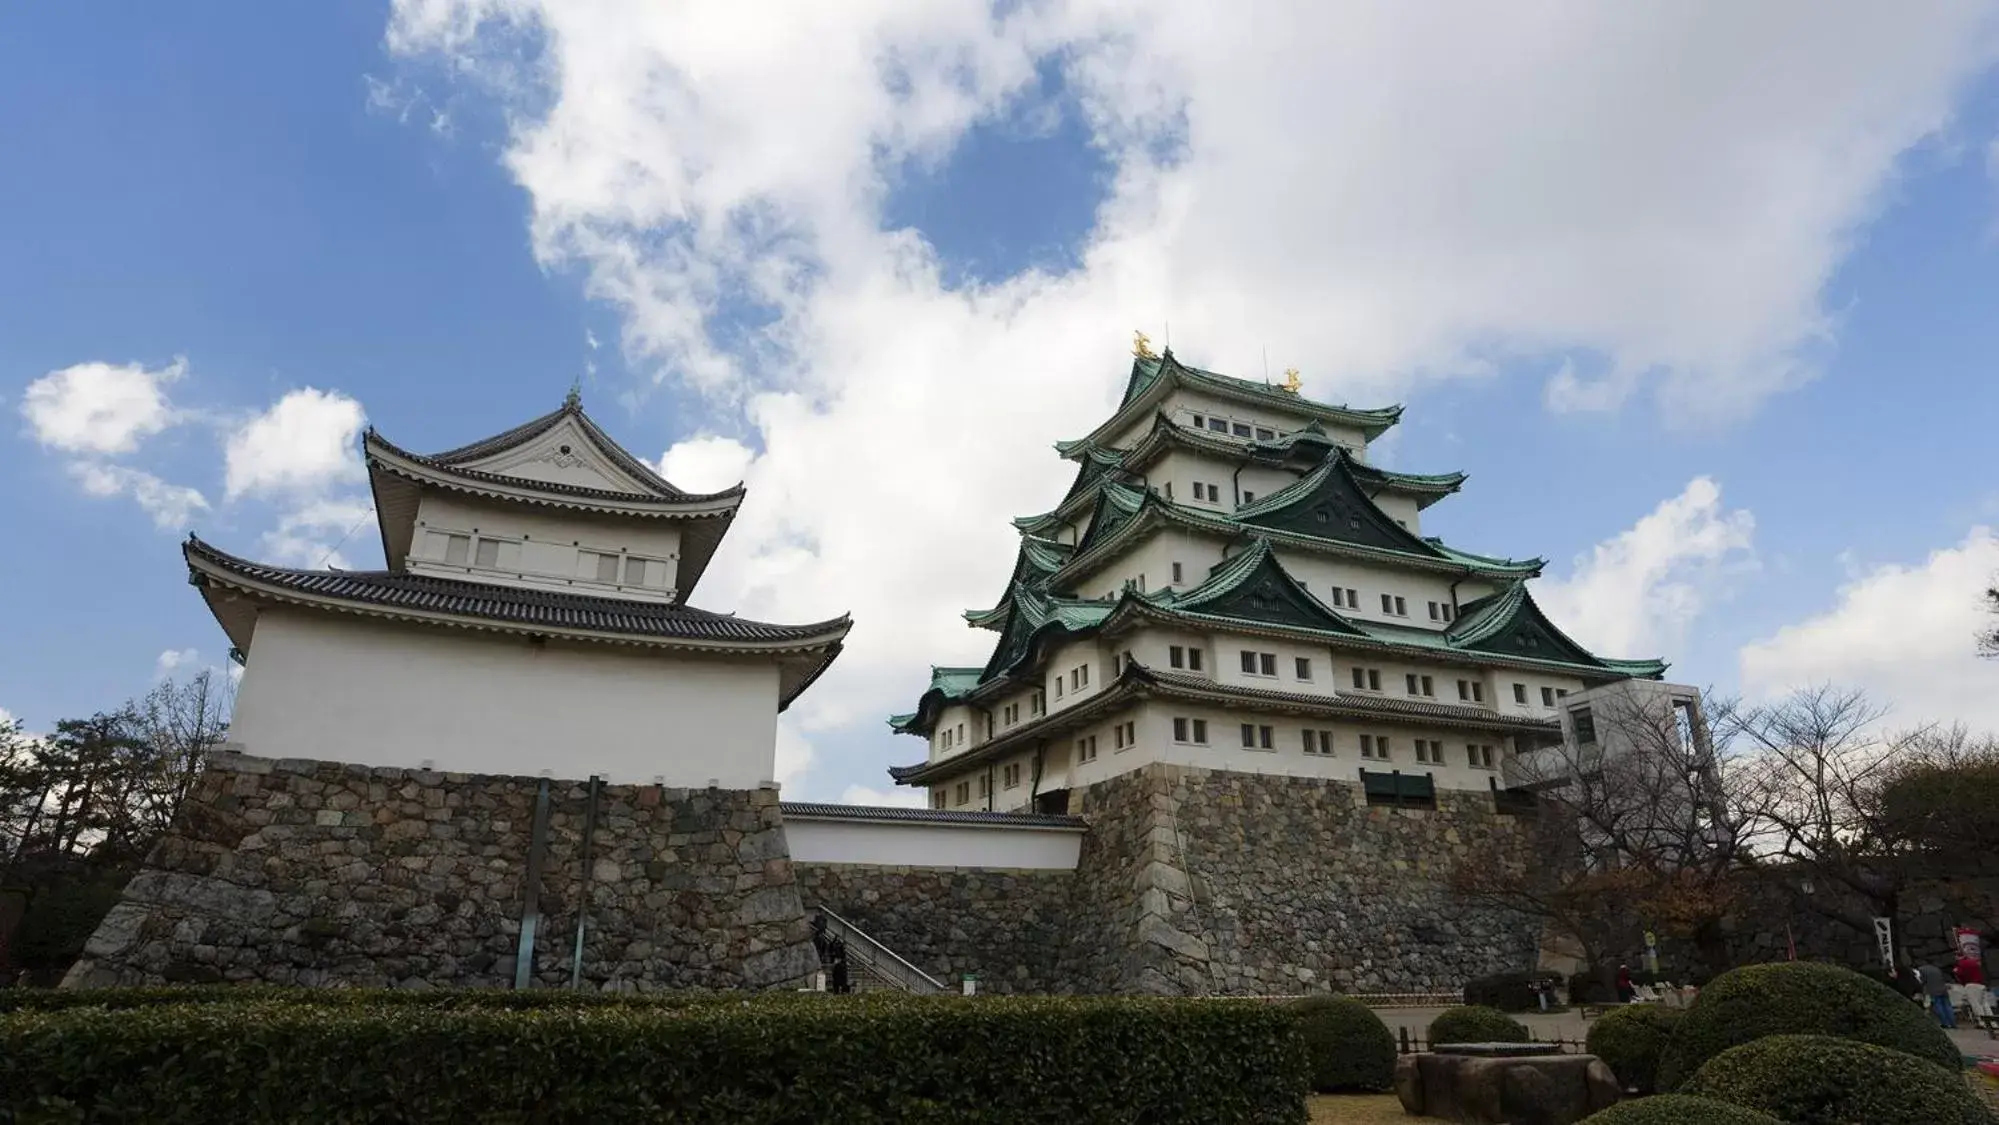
1511	992
1678	1109
54	1000
1348	1045
1798	998
1474	1024
1630	1039
997	1060
1820	1080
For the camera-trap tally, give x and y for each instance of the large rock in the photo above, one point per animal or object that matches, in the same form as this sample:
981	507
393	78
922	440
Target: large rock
1531	1090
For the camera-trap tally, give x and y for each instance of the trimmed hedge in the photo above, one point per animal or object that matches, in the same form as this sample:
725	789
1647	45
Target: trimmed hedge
63	999
1678	1109
999	1060
1821	1080
1798	998
1630	1039
1511	992
1348	1045
1474	1024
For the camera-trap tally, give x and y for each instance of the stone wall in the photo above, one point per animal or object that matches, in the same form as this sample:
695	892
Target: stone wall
1006	927
314	873
1209	881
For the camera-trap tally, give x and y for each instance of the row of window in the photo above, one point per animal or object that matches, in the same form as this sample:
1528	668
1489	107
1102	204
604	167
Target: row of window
1321	743
495	553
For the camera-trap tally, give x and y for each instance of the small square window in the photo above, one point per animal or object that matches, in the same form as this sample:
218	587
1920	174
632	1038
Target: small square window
1519	693
1401	607
1201	731
1249	736
1249	662
1353	598
1218	425
1547	697
1464	690
1265	435
488	553
1360	679
607	568
1410	680
1199	421
1429	686
1193	659
1176	573
1248	497
1179	730
1339	598
457	548
1266	663
985	786
1387	604
1240	429
1303	666
1176	656
1450	613
1434	615
937	798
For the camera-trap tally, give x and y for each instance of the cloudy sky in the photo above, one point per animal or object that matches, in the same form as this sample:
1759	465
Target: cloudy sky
1700	294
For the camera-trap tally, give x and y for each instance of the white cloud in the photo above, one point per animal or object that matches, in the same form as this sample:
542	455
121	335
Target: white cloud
706	463
794	754
899	797
1906	634
304	442
100	408
173	660
1636	594
1379	193
315	533
170	505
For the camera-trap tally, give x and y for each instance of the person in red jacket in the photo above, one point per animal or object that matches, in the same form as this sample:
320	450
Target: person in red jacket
1968	970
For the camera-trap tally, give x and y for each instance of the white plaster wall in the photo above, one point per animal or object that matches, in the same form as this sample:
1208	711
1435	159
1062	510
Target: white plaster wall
1401	509
1320	573
1154	559
1063	659
348	690
1181	405
545	543
921	844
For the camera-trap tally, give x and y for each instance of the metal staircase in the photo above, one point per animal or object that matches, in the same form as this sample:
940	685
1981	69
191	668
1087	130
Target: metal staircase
872	966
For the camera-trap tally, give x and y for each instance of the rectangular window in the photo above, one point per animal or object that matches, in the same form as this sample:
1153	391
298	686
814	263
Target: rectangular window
607	568
1084	672
1353	598
985	787
1434	615
1201	732
1519	693
1319	742
457	548
1479	757
1086	748
1130	730
1176	573
1464	690
1240	429
1339	598
1401	607
1058	685
1265	435
1266	663
1117	737
1303	666
1249	662
1374	746
1218	426
1561	693
1387	604
1168	489
1248	497
937	797
1477	692
1199	421
1249	736
1037	704
1179	730
1010	776
963	793
958	735
1191	730
1430	751
1449	612
1547	697
488	553
1256	737
1360	679
1585	724
1193	660
1176	657
1429	687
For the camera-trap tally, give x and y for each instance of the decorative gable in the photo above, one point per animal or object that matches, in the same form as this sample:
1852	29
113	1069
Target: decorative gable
1511	624
1253	586
564	454
1329	504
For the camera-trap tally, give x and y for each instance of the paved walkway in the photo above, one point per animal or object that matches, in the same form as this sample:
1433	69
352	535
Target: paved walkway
1571	1026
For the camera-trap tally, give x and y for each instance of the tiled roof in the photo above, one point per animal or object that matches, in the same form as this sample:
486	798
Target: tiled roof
930	816
512	605
1146	371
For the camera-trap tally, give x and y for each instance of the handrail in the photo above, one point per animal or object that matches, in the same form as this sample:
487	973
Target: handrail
915	979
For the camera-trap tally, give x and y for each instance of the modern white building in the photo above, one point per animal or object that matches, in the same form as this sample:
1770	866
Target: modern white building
1230	584
533	619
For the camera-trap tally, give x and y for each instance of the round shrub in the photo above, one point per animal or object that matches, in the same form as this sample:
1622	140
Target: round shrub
1678	1109
1350	1048
1798	998
1630	1039
1820	1080
1474	1024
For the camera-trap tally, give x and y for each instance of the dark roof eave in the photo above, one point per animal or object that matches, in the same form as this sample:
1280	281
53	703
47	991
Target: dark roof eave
385	457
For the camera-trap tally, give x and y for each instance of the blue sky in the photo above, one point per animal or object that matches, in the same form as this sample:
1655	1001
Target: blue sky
883	285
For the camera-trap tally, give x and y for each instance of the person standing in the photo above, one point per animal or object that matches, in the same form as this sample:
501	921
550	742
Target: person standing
1936	986
1968	970
1626	991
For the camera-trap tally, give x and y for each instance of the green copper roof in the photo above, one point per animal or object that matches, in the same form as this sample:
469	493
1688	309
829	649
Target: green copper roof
1037	560
1146	373
1329	503
946	685
1253	586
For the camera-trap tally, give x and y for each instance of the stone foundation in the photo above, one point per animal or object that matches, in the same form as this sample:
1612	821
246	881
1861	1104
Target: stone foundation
1005	927
315	873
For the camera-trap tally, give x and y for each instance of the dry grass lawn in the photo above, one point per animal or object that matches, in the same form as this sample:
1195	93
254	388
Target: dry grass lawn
1359	1109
